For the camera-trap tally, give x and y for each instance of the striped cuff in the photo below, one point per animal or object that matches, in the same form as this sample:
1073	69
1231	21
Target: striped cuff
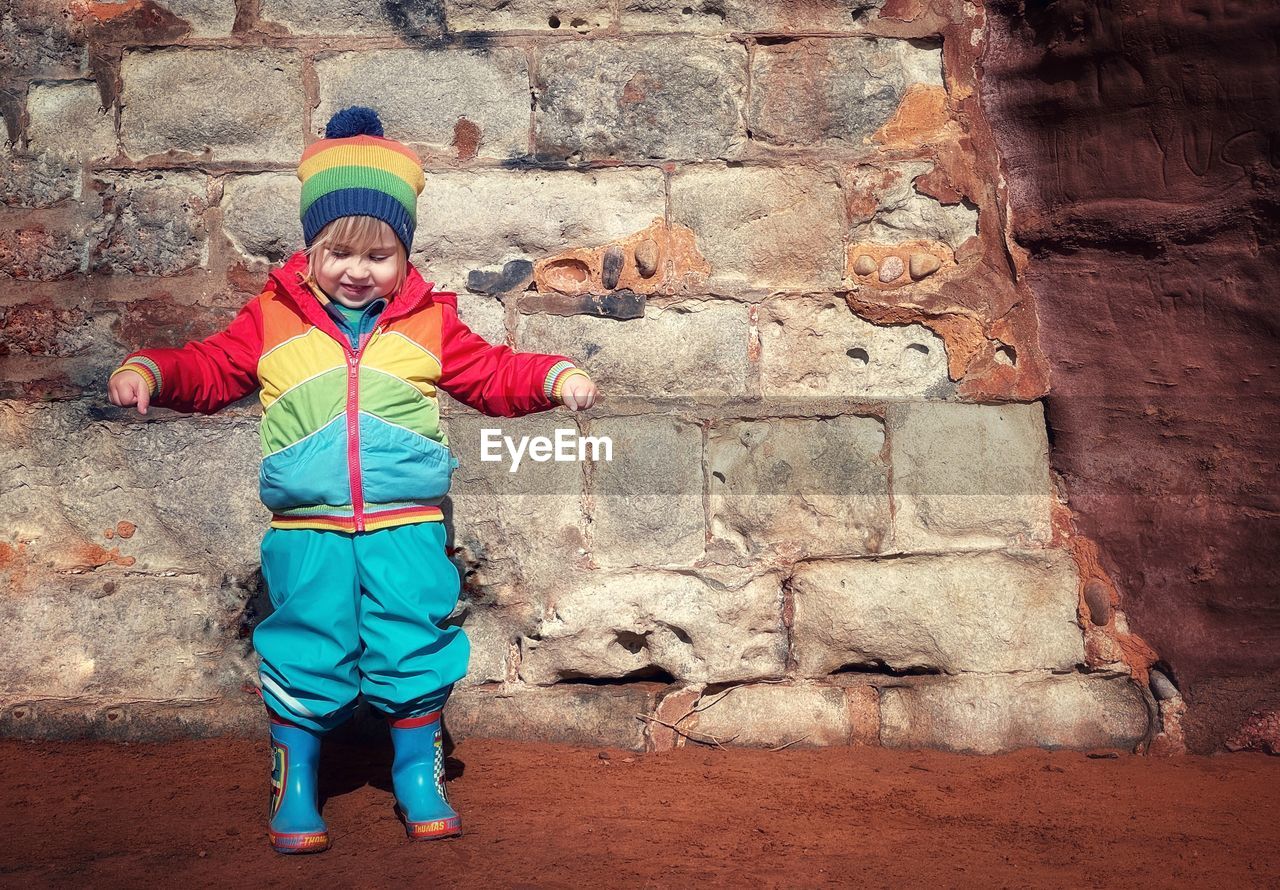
144	366
556	377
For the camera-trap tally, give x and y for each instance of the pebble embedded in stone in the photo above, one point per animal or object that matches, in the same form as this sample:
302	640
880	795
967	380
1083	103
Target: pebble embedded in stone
1162	687
1098	599
923	265
612	267
864	265
891	269
647	258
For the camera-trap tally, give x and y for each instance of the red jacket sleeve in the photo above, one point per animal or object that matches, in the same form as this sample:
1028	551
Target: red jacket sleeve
494	379
205	375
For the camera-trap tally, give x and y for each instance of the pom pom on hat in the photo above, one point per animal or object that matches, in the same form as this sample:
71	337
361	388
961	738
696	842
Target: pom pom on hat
354	121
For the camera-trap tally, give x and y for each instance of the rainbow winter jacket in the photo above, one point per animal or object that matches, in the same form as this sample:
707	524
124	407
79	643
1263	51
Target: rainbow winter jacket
351	438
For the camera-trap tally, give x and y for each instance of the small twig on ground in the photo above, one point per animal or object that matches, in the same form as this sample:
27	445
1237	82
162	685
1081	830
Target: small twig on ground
708	740
790	743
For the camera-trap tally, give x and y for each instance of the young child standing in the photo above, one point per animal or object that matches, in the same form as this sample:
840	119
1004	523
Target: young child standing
349	346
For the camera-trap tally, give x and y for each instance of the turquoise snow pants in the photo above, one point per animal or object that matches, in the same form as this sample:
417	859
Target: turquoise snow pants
358	614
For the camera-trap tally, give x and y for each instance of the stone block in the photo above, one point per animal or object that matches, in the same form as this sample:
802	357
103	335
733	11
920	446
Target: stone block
801	487
969	476
482	220
100	492
640	357
153	223
463	102
117	635
68	118
408	21
36	252
522	533
37	44
561	16
260	215
801	715
989	714
37	180
646	504
763	227
493	633
695	629
903	214
206	18
223	104
820	348
985	612
759	16
641	98
596	716
485	316
816	91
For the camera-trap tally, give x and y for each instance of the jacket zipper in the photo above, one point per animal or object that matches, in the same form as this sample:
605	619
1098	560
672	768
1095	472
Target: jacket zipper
353	427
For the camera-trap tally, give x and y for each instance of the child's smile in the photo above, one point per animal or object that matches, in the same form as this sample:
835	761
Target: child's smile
355	278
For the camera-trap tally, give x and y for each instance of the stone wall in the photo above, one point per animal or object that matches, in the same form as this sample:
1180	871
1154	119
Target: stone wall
775	233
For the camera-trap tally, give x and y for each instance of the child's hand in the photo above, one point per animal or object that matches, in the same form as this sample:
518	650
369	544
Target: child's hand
128	388
579	393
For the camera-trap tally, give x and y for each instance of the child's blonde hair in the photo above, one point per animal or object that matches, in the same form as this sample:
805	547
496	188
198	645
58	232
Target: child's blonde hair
357	234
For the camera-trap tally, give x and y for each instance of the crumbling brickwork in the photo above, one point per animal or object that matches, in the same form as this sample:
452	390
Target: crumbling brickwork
775	234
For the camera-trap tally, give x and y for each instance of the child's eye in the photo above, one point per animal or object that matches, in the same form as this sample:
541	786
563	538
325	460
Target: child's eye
377	258
340	254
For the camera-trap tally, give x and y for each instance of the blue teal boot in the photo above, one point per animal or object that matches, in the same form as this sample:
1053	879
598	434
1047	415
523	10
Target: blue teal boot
295	825
417	774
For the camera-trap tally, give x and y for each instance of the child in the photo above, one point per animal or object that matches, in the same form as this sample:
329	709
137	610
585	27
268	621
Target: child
349	344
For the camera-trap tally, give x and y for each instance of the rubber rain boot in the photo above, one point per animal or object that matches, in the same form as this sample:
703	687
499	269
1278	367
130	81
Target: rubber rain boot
295	825
417	774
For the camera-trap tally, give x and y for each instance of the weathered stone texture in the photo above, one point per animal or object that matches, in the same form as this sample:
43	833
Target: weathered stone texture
260	215
969	476
37	44
113	635
763	16
521	533
804	487
821	92
35	181
37	252
903	214
637	99
643	356
483	315
694	628
986	612
493	634
481	220
68	118
391	19
646	504
575	715
83	476
226	104
819	348
763	227
424	96
1002	712
579	16
153	223
205	18
791	714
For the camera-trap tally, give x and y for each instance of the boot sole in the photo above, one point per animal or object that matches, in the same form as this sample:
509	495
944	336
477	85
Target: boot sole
435	829
298	843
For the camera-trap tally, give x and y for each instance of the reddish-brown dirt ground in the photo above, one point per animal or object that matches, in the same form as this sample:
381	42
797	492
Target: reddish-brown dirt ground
91	814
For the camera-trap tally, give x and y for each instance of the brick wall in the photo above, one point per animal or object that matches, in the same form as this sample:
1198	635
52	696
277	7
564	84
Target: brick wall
773	232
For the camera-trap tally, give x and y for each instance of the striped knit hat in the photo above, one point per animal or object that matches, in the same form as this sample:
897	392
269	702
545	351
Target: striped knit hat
355	171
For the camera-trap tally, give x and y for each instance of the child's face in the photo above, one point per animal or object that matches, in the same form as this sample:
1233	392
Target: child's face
356	278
